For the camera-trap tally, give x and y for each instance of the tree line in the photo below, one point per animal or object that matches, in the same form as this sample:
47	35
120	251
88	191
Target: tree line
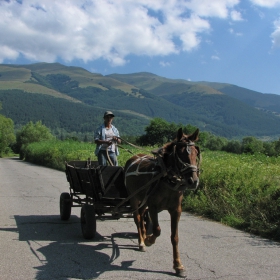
156	133
160	131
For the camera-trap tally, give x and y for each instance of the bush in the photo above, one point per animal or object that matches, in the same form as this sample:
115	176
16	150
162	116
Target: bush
7	136
31	133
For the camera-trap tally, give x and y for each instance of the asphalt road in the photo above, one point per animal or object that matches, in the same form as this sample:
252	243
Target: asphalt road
36	244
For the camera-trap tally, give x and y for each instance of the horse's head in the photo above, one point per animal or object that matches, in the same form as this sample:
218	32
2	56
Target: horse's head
182	156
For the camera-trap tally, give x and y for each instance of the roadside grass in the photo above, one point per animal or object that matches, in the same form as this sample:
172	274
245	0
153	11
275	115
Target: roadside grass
55	153
242	191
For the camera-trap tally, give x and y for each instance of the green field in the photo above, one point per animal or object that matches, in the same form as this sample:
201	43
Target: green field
242	191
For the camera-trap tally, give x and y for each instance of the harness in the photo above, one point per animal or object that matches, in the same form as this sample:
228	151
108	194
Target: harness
173	175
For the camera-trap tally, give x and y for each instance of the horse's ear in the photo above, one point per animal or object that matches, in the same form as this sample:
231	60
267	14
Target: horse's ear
194	136
179	134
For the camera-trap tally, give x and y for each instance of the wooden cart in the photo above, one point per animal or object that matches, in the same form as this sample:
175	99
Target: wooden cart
99	191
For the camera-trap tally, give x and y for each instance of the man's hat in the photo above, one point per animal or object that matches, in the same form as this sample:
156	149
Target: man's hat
108	113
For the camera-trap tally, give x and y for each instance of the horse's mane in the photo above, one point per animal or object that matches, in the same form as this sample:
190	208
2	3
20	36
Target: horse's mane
168	147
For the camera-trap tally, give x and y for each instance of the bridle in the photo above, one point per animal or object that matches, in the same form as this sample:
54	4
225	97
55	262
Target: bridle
177	171
185	167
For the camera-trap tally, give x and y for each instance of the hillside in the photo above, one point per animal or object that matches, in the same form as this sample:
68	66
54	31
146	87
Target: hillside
258	113
266	102
74	99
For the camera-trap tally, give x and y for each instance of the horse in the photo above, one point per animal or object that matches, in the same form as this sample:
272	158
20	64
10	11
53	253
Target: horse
158	183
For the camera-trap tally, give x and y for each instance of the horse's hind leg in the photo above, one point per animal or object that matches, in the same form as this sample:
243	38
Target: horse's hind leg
177	265
142	212
151	239
138	219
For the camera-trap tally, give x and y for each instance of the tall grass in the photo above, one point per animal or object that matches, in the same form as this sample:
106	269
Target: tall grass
239	190
54	153
242	191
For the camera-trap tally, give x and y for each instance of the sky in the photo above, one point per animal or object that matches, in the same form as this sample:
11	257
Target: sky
225	41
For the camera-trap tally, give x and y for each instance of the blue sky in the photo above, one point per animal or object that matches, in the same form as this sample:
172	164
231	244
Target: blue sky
228	41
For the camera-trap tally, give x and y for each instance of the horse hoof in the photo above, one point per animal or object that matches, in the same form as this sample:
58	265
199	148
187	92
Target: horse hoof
142	248
181	273
148	243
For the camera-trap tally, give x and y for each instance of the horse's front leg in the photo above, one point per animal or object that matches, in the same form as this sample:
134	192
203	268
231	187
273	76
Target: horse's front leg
151	239
177	265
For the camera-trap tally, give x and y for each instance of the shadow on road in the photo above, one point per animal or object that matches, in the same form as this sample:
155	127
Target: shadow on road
63	252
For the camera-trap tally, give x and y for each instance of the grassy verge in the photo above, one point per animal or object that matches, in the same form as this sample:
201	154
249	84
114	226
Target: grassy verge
242	191
54	153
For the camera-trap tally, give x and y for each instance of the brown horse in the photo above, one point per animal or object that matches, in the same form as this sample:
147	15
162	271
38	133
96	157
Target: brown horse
158	183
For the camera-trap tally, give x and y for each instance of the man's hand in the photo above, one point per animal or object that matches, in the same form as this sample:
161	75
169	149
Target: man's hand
115	139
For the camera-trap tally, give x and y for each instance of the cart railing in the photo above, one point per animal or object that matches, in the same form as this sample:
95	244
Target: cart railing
96	181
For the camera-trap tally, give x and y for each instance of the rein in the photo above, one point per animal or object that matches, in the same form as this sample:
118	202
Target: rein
132	145
120	146
179	185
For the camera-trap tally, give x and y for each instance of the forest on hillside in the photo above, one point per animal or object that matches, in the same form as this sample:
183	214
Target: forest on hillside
219	114
219	111
60	115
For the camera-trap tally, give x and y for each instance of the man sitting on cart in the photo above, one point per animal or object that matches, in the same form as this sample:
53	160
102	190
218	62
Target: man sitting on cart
106	138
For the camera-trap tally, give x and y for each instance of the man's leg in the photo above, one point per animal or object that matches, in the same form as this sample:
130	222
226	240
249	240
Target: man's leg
102	158
113	158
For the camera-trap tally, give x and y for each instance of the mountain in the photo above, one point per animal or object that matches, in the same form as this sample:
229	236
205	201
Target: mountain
237	109
73	99
266	102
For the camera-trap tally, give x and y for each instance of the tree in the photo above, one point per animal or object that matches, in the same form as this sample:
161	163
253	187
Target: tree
277	147
252	145
158	132
31	133
269	148
215	143
7	136
233	146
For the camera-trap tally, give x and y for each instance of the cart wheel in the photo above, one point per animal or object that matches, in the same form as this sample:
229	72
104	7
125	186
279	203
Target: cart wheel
148	222
65	204
88	221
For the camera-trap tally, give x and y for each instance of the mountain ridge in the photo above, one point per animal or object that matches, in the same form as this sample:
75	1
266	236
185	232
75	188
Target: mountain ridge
223	109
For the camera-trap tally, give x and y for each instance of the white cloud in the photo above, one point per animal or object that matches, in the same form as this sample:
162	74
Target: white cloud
91	29
236	16
164	64
276	34
213	8
215	57
6	52
231	30
266	3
